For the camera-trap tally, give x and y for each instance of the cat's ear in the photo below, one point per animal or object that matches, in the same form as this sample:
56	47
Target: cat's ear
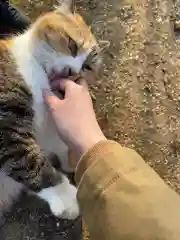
104	45
66	5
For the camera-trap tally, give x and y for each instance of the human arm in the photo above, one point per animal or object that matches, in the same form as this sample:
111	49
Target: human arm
120	196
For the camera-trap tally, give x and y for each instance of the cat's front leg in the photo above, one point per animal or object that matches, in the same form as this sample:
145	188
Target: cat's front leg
46	182
62	199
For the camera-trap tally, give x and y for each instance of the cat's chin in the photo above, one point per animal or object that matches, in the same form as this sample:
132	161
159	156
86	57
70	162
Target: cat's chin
54	80
54	75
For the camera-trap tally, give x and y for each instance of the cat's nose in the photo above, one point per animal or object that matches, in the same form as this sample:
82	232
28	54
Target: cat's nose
68	72
71	72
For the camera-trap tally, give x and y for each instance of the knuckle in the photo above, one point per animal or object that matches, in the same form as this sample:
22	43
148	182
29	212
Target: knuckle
82	89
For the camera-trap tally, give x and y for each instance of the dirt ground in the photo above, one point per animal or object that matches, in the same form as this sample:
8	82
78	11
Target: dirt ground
137	99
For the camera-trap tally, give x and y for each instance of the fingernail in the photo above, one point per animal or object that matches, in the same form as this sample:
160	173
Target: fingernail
45	92
44	89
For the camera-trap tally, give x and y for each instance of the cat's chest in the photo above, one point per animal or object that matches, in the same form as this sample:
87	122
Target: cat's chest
46	133
49	140
36	80
45	130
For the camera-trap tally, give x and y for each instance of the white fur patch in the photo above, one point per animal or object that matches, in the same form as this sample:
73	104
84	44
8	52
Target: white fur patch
62	200
30	57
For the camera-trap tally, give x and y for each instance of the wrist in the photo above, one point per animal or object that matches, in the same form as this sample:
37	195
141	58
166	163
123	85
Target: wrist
79	150
90	158
88	143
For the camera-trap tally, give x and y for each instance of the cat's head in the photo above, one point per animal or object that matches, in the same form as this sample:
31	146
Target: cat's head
65	41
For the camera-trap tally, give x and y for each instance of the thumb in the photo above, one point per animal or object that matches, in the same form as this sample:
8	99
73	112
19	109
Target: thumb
50	99
64	85
83	83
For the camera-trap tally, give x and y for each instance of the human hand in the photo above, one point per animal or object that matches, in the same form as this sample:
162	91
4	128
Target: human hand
74	115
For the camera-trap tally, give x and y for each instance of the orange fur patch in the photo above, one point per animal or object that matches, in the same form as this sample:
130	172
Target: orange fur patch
5	44
56	28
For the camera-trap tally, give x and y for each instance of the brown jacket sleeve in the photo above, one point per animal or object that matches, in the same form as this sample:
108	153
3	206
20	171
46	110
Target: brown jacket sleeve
122	198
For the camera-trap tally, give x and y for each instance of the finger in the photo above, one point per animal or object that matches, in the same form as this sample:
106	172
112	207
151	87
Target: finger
56	85
61	84
89	76
50	99
59	94
74	78
82	82
65	85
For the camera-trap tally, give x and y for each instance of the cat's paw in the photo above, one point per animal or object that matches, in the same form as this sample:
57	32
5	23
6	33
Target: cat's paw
65	209
62	200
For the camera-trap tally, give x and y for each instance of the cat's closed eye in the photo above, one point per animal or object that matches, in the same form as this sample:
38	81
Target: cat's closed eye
73	47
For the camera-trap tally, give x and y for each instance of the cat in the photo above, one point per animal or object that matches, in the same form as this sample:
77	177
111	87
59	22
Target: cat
58	40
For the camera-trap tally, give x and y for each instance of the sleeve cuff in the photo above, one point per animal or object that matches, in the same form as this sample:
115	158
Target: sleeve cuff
105	163
93	155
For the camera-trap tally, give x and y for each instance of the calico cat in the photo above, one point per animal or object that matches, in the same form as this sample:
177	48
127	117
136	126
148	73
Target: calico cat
57	41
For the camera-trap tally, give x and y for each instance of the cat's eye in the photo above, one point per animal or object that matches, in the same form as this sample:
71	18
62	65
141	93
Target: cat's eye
87	67
73	47
94	53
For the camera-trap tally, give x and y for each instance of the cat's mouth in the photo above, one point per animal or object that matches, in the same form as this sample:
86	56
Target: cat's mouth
55	78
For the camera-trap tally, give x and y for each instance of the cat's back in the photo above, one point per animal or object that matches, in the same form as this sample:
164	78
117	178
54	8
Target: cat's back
7	62
12	85
9	75
11	79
